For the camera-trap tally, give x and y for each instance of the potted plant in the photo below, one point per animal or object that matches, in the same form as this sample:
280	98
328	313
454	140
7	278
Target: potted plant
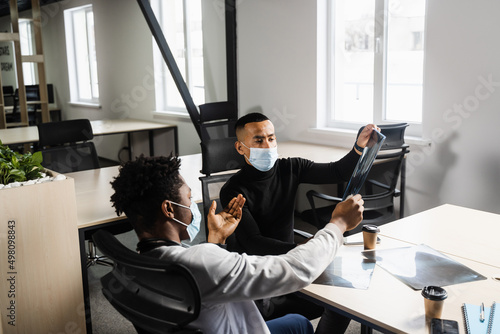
16	167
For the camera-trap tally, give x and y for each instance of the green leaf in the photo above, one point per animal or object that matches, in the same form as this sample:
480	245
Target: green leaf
19	167
37	157
17	175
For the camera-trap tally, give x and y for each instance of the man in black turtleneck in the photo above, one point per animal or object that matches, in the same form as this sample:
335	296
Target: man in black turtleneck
270	185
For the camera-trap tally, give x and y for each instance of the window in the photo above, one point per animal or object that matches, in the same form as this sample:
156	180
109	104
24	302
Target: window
181	23
376	61
80	48
27	49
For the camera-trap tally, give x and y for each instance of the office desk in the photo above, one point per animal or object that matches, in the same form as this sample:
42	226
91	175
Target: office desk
29	134
391	306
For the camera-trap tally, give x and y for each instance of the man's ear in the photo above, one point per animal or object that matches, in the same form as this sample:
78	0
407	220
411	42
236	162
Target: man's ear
237	146
167	209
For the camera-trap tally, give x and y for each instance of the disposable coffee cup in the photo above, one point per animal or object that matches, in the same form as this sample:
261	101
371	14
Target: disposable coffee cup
370	236
434	297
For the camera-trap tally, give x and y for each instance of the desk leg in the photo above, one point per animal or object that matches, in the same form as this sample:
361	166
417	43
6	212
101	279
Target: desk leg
365	329
85	279
403	188
151	134
129	146
151	143
176	138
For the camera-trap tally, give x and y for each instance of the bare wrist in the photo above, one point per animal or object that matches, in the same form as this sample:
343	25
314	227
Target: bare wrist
215	239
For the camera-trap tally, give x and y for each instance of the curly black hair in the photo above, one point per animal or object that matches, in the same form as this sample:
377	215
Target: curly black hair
142	185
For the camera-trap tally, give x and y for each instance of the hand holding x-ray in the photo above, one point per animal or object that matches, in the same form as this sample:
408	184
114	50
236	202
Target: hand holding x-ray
364	164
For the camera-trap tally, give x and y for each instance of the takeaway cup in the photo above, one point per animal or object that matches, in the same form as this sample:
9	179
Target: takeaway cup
370	236
434	297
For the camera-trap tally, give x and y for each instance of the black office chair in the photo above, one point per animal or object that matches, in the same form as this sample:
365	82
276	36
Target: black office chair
219	156
218	136
15	116
66	146
210	189
156	296
379	190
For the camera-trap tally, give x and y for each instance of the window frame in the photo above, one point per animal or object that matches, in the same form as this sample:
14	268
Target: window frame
379	76
74	74
26	36
161	71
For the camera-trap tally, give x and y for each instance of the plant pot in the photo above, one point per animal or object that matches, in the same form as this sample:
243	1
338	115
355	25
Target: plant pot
40	273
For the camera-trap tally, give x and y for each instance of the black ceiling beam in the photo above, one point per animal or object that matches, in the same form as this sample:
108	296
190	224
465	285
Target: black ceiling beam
231	66
22	5
155	28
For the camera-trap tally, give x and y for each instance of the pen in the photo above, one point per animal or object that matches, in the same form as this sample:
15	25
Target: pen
481	314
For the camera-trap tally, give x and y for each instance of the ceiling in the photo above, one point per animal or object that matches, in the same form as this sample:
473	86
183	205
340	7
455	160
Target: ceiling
22	5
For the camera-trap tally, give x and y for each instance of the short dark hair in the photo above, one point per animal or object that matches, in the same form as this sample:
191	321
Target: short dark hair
249	118
142	185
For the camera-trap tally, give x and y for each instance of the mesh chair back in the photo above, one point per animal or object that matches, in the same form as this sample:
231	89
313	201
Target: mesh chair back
71	158
218	136
63	132
217	120
219	155
65	147
210	189
156	296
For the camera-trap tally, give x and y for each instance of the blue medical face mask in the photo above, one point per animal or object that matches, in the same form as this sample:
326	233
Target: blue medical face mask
194	227
262	158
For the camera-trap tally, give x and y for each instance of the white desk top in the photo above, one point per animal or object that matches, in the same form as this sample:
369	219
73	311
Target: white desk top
467	233
394	306
93	191
112	126
29	134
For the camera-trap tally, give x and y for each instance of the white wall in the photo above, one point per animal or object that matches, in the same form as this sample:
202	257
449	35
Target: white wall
277	62
277	75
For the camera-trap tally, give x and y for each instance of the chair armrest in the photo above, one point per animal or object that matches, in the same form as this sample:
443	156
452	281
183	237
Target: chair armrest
378	184
313	193
304	234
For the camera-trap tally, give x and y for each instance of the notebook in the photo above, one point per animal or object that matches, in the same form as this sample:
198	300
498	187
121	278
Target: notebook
471	317
494	322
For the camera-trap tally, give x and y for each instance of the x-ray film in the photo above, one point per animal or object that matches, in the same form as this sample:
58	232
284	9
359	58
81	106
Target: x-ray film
348	270
420	265
364	164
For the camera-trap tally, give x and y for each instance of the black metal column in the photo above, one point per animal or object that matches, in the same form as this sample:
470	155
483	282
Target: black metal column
153	24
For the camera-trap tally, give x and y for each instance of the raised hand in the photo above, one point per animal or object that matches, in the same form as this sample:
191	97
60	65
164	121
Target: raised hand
349	213
366	134
222	225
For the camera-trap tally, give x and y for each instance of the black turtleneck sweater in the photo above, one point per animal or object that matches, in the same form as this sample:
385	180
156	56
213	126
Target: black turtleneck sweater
266	227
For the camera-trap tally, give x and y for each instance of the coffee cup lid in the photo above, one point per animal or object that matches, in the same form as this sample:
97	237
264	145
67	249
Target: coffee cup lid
370	228
434	293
